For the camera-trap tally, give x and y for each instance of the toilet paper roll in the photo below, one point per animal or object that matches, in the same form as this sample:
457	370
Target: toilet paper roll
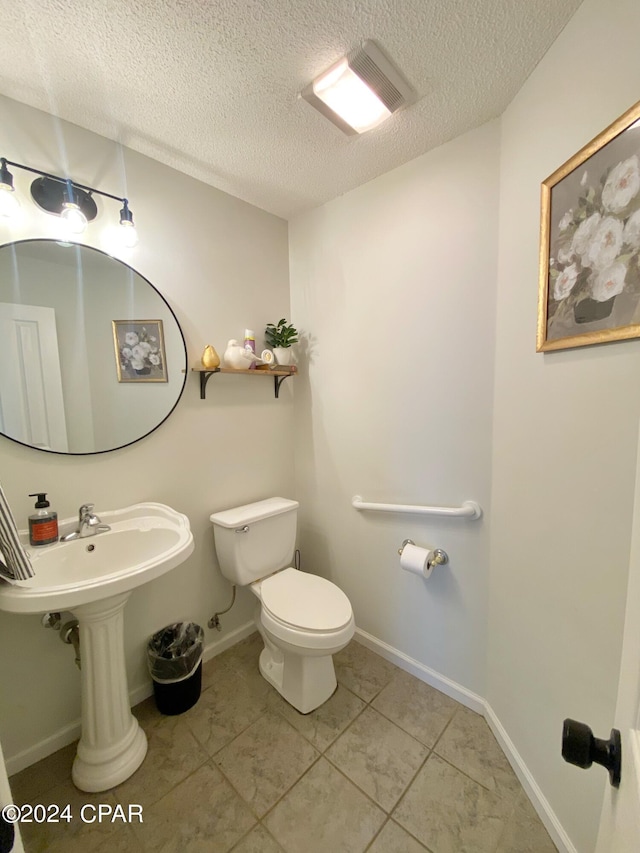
417	560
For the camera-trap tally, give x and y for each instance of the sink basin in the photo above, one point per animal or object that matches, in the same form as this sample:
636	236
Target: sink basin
94	577
145	541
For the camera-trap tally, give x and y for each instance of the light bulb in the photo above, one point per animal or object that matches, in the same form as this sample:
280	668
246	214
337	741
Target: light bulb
73	217
9	203
128	234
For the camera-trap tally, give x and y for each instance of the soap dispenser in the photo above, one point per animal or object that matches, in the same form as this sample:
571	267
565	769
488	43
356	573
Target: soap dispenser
43	524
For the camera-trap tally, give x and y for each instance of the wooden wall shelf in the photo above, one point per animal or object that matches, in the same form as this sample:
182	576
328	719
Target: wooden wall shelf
279	374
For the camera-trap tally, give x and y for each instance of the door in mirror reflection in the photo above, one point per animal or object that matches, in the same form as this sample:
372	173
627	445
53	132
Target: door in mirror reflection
31	399
61	386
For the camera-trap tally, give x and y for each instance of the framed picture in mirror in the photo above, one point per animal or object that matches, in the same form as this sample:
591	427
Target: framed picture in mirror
139	350
589	287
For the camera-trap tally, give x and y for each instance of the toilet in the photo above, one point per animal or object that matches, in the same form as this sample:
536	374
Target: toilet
303	619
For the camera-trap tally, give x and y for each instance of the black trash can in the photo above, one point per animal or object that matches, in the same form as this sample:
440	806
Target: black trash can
174	657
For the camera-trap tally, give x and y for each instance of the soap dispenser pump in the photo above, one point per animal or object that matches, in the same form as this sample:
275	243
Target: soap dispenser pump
43	524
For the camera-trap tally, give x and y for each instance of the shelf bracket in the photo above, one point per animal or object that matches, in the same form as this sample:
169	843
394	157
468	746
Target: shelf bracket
204	378
277	382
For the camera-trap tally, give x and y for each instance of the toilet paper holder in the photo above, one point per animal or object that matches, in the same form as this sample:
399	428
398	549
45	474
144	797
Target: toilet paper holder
440	557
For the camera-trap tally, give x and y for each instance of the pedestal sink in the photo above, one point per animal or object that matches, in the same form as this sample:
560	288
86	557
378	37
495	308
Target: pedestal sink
94	577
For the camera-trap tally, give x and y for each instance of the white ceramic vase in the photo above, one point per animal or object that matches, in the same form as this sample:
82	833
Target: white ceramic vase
283	355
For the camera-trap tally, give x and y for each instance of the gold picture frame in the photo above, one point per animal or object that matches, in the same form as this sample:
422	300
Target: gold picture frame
589	285
139	350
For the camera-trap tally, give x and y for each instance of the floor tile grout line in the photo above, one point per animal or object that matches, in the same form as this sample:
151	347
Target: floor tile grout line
234	737
362	791
446	726
236	792
402	728
248	833
413	779
279	800
464	772
168	791
390	819
338	735
476	782
293	784
372	842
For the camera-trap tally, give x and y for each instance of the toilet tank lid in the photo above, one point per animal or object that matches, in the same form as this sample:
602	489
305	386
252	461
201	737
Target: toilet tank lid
250	513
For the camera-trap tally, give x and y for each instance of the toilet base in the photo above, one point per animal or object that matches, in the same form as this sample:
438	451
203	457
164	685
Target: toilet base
305	681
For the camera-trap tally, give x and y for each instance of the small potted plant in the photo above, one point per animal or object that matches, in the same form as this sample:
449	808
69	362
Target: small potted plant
280	338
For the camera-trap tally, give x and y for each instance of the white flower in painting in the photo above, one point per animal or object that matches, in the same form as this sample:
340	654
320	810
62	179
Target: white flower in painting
622	185
584	178
584	233
631	233
566	220
565	282
565	253
608	283
145	347
131	339
138	353
126	352
137	364
605	244
154	359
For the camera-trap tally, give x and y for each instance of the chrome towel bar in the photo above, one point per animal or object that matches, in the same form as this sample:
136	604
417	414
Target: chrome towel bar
469	509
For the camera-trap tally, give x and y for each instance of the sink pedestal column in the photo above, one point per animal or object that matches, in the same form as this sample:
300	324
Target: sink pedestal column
112	745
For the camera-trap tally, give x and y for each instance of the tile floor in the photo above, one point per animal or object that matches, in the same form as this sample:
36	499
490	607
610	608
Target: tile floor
387	765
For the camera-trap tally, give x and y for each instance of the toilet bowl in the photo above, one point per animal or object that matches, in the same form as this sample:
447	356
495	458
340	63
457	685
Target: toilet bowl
303	619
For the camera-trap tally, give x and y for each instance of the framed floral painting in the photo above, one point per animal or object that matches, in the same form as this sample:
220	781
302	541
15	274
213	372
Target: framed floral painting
589	289
139	346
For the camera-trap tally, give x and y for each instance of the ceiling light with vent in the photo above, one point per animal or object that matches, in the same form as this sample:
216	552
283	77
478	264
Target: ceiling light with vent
360	91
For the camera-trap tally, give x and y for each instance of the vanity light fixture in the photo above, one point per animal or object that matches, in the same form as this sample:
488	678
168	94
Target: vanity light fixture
360	91
9	203
72	201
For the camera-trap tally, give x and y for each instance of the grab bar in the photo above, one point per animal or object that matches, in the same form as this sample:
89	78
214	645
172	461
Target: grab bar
469	509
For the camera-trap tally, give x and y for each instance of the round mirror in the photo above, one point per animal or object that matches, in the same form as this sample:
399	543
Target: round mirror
92	357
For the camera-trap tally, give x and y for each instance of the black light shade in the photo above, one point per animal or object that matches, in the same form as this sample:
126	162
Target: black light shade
6	177
50	195
125	213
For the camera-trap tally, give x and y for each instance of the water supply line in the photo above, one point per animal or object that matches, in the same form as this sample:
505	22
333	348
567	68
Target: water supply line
67	626
214	622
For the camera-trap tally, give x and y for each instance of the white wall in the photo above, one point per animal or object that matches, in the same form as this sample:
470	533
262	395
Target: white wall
565	439
393	287
222	265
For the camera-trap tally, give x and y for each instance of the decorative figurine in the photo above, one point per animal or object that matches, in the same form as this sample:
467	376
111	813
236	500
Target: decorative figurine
210	358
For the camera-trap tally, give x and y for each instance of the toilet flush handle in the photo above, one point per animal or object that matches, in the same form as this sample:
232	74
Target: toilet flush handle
244	529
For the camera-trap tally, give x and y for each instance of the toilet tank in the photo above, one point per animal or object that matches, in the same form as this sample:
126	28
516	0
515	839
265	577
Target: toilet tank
255	540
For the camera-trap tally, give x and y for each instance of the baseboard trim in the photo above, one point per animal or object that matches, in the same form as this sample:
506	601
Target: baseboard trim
66	735
481	706
424	673
531	787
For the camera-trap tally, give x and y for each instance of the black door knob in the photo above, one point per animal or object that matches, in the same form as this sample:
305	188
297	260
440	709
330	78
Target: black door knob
581	748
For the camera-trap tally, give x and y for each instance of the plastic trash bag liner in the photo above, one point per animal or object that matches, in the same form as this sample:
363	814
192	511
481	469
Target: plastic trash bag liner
174	652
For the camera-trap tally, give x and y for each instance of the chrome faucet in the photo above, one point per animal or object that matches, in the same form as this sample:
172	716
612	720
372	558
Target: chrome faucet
88	524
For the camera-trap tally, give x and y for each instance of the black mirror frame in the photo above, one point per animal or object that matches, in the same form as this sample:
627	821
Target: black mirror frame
172	312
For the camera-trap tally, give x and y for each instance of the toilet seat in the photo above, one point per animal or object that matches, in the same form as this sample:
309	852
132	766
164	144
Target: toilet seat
305	610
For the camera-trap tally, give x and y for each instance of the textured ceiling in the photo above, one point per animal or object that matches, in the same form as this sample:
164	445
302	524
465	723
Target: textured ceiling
211	87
